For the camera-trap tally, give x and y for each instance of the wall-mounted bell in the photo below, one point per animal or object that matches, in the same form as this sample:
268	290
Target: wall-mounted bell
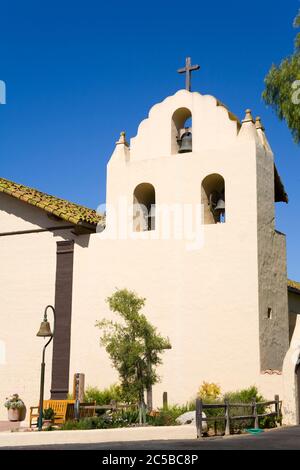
185	143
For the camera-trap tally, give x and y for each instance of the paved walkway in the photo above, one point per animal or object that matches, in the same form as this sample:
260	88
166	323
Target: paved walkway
150	438
35	438
9	425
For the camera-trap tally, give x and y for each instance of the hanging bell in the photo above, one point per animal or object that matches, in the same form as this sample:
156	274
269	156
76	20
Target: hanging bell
45	329
185	143
220	207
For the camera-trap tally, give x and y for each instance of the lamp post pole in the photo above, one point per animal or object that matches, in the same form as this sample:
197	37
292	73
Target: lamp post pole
45	334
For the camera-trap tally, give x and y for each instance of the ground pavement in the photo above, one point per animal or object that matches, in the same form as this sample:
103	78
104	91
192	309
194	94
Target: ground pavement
149	438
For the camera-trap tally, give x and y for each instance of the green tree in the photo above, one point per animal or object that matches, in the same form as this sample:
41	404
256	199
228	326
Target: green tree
282	88
134	346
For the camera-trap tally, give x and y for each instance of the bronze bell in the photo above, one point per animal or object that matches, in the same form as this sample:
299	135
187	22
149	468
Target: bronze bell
185	143
45	329
220	207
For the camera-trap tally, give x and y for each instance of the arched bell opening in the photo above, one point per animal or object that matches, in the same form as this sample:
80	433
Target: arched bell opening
181	131
144	208
213	199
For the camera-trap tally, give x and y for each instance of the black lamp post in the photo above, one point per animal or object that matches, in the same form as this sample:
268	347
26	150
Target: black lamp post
45	332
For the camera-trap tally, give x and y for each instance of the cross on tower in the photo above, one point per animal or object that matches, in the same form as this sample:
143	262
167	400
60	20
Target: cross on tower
188	69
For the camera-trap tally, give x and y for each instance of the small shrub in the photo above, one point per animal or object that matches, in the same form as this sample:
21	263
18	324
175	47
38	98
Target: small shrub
106	421
48	413
247	395
268	422
209	391
168	416
69	426
129	416
105	396
14	402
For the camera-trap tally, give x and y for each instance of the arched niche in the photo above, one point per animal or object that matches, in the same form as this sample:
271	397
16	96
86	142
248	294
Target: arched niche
213	199
181	119
144	207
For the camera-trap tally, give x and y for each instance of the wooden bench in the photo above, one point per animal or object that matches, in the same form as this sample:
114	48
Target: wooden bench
59	407
86	410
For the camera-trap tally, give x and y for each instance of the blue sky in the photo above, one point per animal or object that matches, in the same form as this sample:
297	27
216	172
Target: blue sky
78	73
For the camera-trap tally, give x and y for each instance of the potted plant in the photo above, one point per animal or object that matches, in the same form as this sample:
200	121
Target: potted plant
48	417
16	408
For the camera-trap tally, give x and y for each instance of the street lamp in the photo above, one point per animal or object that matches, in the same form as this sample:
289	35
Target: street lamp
45	332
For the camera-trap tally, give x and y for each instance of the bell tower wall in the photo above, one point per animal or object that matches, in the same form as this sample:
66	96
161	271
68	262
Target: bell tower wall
272	270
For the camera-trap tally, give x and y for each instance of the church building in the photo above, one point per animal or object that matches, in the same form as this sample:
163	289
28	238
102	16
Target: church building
189	225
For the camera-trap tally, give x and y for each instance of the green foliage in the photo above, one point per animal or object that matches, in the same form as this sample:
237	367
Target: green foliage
133	345
218	426
129	418
48	413
279	88
247	395
105	396
106	421
14	402
268	422
83	424
297	25
168	416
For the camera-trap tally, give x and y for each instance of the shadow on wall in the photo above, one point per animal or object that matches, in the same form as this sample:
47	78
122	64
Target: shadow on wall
39	220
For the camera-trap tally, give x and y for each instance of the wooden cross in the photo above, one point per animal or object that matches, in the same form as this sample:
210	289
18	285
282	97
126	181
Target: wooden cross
188	69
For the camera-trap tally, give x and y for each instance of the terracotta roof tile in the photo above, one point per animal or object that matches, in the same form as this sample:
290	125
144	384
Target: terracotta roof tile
63	209
294	286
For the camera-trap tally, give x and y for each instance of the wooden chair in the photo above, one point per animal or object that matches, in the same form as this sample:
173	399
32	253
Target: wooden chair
58	406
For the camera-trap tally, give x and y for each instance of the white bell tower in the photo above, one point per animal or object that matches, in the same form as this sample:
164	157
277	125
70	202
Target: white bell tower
232	291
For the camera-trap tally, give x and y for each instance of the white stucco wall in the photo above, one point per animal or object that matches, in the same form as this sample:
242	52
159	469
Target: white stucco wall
203	325
291	404
27	283
18	216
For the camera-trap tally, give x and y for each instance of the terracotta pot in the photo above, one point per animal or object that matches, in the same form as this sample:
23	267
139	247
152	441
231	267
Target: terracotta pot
47	423
16	414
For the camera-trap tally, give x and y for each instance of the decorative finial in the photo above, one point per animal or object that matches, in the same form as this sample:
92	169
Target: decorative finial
259	124
248	117
248	130
122	139
188	69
